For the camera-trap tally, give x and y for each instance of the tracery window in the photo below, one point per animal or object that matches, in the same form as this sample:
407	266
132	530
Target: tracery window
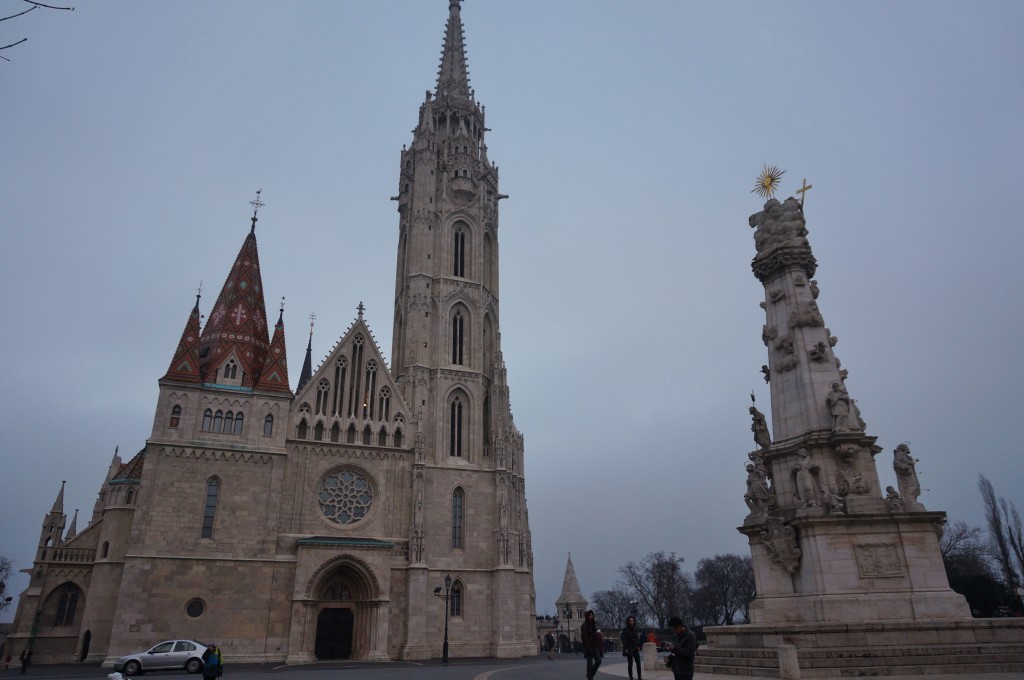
210	509
66	606
321	397
384	407
345	496
340	368
458	336
455	427
456	599
337	590
459	251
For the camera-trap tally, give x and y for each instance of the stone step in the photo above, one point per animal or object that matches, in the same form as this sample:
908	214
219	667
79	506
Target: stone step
933	659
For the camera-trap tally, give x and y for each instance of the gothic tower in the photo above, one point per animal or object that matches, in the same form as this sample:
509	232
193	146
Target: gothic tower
447	360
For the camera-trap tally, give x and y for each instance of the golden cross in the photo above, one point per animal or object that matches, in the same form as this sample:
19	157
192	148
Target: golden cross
801	190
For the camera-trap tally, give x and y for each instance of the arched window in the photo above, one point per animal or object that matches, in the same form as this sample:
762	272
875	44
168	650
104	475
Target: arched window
455	427
303	431
105	549
370	390
456	599
66	606
382	437
321	397
350	434
384	407
398	438
340	367
335	432
210	510
318	432
458	516
458	328
207	420
367	435
268	426
129	496
459	250
229	422
238	422
218	421
175	415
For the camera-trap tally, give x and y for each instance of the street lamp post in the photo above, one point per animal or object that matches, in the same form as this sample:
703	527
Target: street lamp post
567	613
447	609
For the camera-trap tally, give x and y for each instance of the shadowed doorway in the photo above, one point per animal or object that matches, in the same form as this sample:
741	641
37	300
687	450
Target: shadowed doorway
334	634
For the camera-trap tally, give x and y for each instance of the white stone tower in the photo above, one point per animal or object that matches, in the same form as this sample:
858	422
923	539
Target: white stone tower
570	605
849	577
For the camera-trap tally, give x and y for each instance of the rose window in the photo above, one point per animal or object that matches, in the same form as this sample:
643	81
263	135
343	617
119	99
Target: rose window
345	496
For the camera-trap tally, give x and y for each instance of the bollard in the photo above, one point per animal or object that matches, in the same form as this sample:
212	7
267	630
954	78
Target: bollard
789	666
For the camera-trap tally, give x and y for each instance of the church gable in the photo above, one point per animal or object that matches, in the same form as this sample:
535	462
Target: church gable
351	397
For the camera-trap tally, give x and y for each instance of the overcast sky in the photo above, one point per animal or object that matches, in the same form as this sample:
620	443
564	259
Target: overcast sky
628	136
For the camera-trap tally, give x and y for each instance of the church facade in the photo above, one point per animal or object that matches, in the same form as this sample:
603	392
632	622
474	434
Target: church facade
321	523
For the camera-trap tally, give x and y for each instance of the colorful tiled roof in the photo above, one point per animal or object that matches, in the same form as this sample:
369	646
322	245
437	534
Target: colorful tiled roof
185	364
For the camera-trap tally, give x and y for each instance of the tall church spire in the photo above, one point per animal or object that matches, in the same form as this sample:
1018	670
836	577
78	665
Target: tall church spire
453	73
274	373
307	364
235	341
185	364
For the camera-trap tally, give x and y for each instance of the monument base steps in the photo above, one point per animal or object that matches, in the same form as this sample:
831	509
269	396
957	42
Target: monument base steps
867	649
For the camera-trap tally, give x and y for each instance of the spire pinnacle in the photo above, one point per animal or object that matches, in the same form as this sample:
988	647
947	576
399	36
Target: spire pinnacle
360	309
58	505
453	73
307	365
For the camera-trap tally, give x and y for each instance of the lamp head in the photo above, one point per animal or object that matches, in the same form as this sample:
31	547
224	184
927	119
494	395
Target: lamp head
448	581
437	590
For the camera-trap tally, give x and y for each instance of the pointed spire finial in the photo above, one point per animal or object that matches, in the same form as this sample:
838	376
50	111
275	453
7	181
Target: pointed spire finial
361	309
256	205
312	320
199	292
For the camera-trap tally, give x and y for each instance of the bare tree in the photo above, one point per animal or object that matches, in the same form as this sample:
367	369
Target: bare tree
970	568
611	607
725	587
1000	531
35	5
5	573
659	585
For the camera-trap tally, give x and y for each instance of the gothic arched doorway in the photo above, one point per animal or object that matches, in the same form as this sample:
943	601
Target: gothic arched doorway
334	633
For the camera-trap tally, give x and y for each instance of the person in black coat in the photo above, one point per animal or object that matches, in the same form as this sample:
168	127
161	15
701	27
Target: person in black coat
631	644
593	650
683	650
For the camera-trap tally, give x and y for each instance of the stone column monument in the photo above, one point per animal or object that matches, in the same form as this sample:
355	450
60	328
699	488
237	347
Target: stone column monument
848	574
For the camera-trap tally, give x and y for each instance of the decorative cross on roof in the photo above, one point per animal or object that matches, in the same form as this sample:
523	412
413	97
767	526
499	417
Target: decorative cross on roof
312	320
360	309
256	204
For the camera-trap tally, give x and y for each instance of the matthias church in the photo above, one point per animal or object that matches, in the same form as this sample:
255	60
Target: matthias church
290	526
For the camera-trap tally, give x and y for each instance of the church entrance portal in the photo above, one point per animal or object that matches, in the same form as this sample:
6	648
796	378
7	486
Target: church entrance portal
334	634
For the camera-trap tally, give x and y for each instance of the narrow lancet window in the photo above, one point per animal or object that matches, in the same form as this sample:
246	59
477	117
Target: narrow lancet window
210	510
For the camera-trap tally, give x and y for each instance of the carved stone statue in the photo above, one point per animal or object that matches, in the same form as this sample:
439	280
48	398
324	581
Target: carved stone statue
759	427
892	498
834	501
758	496
767	373
806	485
906	474
838	401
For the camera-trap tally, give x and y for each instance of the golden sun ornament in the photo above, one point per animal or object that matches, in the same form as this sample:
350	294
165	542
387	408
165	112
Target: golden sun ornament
768	181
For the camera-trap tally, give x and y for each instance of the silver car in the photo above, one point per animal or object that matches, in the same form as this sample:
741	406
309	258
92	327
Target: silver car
168	655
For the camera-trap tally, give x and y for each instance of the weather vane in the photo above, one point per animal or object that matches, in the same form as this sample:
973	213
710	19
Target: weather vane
256	203
768	181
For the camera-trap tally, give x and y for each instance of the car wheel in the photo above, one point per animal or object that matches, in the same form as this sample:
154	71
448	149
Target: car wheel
194	666
133	668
